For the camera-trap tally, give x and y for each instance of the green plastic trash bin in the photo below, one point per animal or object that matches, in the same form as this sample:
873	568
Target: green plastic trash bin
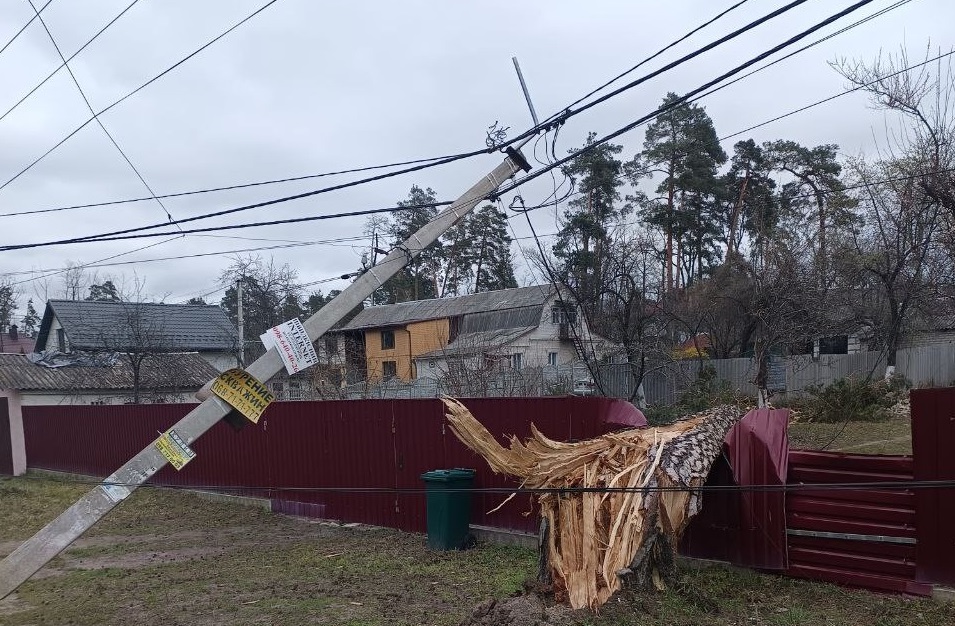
449	507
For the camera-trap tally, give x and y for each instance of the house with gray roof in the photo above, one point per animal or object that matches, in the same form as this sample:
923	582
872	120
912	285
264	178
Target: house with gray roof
141	327
506	329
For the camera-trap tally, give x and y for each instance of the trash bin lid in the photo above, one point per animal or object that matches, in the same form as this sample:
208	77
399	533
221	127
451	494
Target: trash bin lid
447	475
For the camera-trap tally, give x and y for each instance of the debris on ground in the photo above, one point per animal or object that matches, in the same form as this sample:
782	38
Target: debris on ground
629	496
524	610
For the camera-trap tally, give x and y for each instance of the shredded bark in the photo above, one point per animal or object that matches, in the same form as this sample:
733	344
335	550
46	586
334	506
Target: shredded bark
595	540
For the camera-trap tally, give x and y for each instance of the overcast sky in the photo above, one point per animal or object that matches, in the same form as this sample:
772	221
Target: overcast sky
307	87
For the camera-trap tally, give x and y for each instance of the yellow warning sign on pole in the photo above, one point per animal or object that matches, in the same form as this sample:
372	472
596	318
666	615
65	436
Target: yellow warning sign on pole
243	392
171	446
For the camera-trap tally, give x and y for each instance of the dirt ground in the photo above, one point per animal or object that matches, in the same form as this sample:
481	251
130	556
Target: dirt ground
168	557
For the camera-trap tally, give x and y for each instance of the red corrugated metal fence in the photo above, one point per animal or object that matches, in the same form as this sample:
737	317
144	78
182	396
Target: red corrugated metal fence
349	448
6	444
860	537
933	447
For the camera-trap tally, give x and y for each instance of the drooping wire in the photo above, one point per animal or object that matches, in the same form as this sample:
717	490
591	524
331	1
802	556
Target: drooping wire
559	162
533	131
687	96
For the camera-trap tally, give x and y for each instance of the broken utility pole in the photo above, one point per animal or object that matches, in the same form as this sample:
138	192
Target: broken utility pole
61	532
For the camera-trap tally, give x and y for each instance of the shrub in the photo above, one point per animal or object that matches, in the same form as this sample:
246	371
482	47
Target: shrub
855	400
703	393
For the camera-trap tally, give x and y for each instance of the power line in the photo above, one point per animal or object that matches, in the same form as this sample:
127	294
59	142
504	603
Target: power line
115	235
24	27
346	171
759	488
260	183
569	114
649	58
138	89
100	264
792	5
72	56
294	220
99	122
59	271
836	95
562	118
879	13
686	97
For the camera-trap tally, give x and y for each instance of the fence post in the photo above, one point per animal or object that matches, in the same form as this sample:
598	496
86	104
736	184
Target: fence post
13	456
933	434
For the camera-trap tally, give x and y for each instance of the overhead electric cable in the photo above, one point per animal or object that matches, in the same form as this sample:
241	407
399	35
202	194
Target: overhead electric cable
686	97
562	118
100	264
72	56
649	58
138	89
17	34
117	234
260	183
294	220
99	122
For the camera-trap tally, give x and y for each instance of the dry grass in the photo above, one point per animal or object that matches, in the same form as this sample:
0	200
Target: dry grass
893	436
166	557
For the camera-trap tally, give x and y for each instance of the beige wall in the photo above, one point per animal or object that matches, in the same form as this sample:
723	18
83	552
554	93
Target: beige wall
410	341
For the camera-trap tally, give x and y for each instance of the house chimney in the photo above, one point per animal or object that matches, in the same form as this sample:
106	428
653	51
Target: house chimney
13	332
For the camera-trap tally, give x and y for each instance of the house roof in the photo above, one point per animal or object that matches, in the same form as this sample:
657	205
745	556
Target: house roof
478	342
91	325
20	345
166	371
422	310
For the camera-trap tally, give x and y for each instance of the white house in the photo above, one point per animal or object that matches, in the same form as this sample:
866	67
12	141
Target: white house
544	328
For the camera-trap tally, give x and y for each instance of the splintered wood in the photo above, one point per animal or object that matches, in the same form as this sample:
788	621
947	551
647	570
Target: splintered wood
597	537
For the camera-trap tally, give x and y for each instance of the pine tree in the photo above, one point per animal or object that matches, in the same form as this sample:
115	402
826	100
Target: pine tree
816	193
583	241
682	143
490	243
31	321
750	203
417	280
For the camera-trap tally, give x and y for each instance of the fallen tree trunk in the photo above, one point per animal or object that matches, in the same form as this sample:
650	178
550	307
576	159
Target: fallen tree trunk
620	502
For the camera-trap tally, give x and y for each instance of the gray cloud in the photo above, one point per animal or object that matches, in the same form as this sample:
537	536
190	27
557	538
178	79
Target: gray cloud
314	86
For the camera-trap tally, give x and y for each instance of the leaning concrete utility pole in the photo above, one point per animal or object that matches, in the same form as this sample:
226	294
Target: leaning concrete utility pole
61	532
240	321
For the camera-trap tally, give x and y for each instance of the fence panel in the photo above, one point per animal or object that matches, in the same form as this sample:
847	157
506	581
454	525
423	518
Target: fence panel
933	434
860	537
358	461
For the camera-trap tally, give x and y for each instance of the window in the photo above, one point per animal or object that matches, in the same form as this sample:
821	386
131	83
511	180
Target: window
387	340
552	358
563	314
61	340
389	369
834	345
515	361
331	346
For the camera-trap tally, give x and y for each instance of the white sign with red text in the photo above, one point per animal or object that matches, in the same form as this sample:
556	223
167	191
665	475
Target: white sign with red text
293	345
